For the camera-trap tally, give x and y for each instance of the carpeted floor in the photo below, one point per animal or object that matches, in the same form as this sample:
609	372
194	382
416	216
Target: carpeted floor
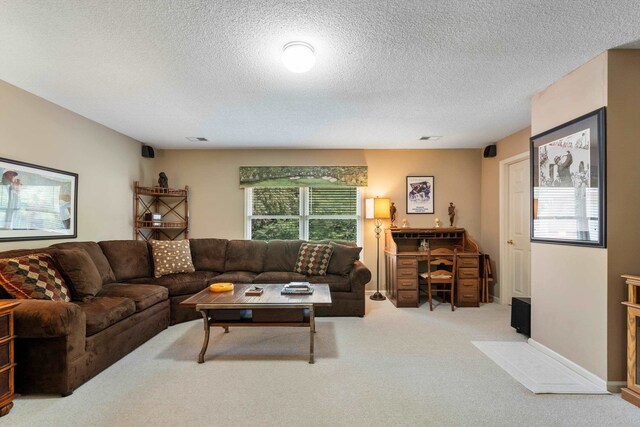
393	367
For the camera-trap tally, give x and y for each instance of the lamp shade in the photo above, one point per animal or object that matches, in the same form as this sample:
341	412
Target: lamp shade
377	208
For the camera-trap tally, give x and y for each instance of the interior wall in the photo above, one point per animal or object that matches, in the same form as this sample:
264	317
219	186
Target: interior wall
217	201
37	131
623	199
569	284
510	146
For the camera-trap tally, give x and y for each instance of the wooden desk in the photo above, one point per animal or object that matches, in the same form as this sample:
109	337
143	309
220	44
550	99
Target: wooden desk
403	263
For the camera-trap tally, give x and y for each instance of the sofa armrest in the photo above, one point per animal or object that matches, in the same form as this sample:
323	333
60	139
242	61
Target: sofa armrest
48	319
359	275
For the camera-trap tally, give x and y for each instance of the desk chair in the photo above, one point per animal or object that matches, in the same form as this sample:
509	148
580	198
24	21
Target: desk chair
441	273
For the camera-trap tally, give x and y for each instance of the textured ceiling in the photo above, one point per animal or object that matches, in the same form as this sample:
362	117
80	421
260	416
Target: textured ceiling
387	72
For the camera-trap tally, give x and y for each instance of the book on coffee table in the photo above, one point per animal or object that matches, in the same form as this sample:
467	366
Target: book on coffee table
297	288
254	291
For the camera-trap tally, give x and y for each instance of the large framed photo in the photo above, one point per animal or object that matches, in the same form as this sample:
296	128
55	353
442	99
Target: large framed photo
568	183
420	191
37	202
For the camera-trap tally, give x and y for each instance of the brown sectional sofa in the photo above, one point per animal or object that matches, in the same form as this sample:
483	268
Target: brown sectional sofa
61	345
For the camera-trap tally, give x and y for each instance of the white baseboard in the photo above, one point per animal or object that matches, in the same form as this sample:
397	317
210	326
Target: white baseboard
496	300
569	364
373	291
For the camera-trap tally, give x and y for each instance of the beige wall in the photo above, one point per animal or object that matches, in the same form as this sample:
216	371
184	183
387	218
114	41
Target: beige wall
510	146
217	202
569	284
623	197
36	131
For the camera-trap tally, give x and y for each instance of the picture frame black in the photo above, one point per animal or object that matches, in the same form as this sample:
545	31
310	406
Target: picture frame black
420	192
568	182
37	202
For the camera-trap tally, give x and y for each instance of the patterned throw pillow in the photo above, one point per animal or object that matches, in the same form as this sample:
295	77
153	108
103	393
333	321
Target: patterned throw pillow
171	256
33	277
313	259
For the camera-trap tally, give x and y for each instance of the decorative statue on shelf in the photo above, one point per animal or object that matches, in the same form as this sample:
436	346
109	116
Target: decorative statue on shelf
452	212
392	211
405	223
163	181
437	221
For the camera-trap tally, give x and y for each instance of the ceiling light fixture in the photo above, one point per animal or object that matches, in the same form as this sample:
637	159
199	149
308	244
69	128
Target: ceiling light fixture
430	138
197	139
298	57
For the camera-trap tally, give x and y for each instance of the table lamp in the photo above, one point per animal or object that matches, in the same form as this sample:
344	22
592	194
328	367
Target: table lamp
377	209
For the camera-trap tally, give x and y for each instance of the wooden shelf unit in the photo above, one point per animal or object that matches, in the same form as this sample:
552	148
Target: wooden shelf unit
7	357
173	206
631	393
403	257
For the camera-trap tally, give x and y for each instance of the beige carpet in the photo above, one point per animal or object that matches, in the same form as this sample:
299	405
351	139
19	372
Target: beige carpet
393	367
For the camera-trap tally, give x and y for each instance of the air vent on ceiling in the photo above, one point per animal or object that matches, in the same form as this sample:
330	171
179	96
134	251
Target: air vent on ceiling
430	138
197	139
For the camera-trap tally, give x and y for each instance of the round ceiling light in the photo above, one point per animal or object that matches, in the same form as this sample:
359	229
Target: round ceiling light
298	57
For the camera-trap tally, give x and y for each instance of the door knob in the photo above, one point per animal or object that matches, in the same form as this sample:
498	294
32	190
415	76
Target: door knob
510	242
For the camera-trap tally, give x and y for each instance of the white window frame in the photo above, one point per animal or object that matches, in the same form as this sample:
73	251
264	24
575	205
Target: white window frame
304	216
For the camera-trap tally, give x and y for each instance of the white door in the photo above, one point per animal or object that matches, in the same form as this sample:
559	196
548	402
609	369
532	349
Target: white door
518	246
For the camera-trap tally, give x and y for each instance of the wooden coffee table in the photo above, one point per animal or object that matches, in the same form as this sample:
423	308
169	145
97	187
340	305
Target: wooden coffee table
233	308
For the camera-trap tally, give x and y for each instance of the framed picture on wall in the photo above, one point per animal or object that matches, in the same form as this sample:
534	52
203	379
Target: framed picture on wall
37	202
568	183
420	193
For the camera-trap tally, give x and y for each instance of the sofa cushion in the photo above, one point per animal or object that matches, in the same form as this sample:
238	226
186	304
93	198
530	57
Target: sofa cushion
80	272
342	259
102	312
281	255
208	254
171	257
129	259
96	254
235	277
33	276
313	259
144	296
336	283
279	277
245	255
181	283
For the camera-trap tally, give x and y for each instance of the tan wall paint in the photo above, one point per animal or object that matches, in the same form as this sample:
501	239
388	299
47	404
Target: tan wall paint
510	146
568	284
36	131
217	202
623	197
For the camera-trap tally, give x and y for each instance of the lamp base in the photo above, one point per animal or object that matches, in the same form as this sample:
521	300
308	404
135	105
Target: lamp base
378	297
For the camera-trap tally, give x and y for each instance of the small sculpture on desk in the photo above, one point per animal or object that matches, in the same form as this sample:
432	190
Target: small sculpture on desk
452	212
392	212
437	221
163	181
405	223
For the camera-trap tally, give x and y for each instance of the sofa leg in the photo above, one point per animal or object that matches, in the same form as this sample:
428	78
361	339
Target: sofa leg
66	393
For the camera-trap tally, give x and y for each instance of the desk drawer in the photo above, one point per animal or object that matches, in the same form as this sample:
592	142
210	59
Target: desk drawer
468	285
467	273
407	284
467	296
407	262
407	298
468	261
407	273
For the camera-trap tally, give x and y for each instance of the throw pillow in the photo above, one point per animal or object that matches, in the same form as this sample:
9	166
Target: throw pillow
343	258
80	272
313	259
33	276
171	256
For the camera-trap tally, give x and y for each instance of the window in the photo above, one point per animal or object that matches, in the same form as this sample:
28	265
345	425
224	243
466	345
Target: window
308	213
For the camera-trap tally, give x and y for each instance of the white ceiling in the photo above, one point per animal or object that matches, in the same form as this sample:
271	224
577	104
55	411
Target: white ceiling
387	72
